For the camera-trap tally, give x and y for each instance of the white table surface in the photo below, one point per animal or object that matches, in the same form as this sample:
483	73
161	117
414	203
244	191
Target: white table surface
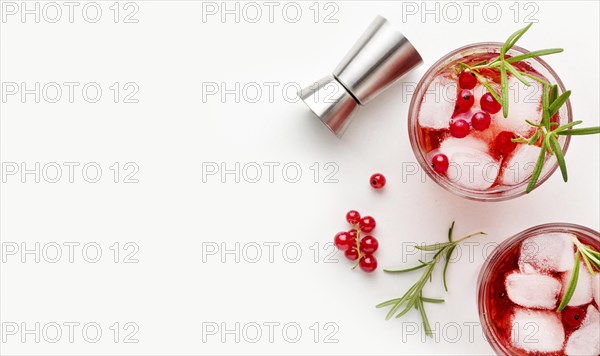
177	292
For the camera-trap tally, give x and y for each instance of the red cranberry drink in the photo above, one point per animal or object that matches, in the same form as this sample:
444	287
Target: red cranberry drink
459	131
523	285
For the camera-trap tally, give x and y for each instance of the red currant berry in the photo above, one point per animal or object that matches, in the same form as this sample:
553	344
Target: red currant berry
343	241
573	316
368	244
351	253
464	101
440	163
481	120
353	217
459	128
503	144
352	233
467	80
377	181
367	224
489	104
368	263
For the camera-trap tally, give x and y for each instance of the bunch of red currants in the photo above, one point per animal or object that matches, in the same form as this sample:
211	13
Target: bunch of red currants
356	248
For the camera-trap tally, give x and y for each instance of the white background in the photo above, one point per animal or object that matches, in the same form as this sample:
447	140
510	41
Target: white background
172	216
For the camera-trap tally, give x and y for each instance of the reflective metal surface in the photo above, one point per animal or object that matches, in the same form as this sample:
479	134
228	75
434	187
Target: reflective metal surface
380	57
331	102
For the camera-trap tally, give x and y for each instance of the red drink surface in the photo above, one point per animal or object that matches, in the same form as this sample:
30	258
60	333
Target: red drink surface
500	308
430	139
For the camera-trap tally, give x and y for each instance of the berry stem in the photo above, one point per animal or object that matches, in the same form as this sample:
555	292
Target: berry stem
360	254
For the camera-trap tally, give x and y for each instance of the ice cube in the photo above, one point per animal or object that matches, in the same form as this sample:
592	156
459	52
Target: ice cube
470	164
520	164
438	102
596	287
533	290
551	252
592	316
583	291
524	103
452	145
537	330
586	339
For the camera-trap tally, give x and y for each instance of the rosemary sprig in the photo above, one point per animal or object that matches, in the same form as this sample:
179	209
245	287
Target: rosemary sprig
504	65
591	259
551	103
413	298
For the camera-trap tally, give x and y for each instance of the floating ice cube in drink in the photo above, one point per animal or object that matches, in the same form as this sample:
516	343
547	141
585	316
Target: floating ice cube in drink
523	282
444	108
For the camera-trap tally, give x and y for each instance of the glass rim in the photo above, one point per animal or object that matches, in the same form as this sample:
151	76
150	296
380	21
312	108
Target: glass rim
513	191
490	336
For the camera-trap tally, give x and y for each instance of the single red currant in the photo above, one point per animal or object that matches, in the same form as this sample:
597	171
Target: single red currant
368	244
351	253
459	128
353	217
367	224
573	316
368	263
343	241
503	144
440	163
481	120
352	233
467	80
489	104
377	181
464	101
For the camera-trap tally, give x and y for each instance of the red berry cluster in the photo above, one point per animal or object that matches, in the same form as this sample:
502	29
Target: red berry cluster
357	248
480	121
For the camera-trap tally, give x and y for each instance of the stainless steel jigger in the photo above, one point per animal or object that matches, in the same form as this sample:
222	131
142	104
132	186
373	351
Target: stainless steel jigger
380	57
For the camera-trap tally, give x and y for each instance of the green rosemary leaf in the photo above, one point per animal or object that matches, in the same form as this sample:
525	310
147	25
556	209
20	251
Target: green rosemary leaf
450	231
519	140
533	139
538	168
581	131
593	252
553	93
504	86
426	325
406	297
587	264
532	123
432	300
538	53
559	156
516	73
407	308
512	39
463	66
487	85
567	126
556	104
545	113
434	247
407	269
537	79
591	258
448	256
388	302
571	286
